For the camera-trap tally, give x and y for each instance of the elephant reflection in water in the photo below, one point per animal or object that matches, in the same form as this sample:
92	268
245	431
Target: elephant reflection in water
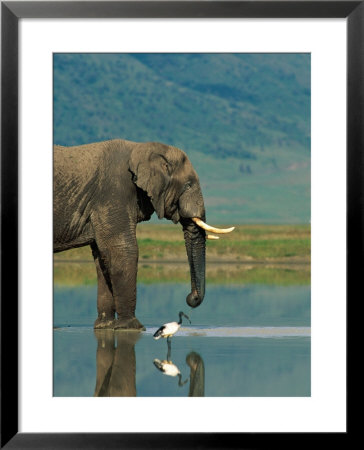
197	372
197	375
116	365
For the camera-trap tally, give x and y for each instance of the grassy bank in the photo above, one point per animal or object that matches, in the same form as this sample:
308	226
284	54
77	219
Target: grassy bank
259	243
250	254
74	274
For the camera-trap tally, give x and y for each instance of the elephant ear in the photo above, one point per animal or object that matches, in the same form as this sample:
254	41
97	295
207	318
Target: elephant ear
150	170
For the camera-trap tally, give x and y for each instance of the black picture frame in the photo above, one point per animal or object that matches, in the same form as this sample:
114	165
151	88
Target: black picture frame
11	12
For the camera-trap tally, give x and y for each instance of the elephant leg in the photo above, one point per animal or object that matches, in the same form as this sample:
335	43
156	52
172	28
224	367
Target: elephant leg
105	300
123	376
124	288
120	258
105	355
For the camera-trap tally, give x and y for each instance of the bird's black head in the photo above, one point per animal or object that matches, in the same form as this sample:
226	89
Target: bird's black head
181	313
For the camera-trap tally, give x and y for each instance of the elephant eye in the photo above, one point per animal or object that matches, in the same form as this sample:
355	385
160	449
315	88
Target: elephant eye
167	168
187	186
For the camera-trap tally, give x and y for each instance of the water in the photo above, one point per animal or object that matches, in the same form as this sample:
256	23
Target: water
249	340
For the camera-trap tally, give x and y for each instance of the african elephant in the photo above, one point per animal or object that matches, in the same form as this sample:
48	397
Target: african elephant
101	191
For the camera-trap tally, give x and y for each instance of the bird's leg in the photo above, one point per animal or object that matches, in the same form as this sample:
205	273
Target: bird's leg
180	382
169	349
186	317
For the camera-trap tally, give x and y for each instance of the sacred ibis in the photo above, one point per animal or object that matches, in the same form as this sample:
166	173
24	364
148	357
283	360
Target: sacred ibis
168	368
169	329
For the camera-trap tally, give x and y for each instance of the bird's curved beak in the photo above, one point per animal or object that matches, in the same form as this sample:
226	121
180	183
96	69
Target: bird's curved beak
187	317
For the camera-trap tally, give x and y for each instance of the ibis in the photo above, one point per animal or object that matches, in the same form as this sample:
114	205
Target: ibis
168	368
169	329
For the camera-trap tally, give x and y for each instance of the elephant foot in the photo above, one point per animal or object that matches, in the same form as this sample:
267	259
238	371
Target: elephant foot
104	323
128	324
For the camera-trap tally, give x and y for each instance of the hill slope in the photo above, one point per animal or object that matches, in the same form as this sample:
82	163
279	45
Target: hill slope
244	120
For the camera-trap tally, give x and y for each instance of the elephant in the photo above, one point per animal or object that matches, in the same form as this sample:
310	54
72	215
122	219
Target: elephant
101	191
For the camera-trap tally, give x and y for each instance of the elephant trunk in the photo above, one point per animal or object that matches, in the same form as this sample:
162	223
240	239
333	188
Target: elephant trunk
195	241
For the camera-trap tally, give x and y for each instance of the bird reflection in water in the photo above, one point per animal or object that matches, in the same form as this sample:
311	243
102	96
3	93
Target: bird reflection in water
197	372
168	368
116	364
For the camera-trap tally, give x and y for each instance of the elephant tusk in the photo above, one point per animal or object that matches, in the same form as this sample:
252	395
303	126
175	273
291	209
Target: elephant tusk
210	236
206	227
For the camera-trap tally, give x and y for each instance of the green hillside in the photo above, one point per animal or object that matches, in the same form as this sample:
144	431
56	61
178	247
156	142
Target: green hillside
244	120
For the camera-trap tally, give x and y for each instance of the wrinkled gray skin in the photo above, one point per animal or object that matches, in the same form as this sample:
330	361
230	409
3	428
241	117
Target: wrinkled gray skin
101	192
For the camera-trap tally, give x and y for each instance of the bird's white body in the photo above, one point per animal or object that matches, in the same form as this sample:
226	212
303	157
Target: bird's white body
167	330
167	367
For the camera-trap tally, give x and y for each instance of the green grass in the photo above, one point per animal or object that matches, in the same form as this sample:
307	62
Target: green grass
270	254
260	243
265	248
77	274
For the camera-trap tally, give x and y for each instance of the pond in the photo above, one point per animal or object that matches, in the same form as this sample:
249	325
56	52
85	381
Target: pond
244	340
